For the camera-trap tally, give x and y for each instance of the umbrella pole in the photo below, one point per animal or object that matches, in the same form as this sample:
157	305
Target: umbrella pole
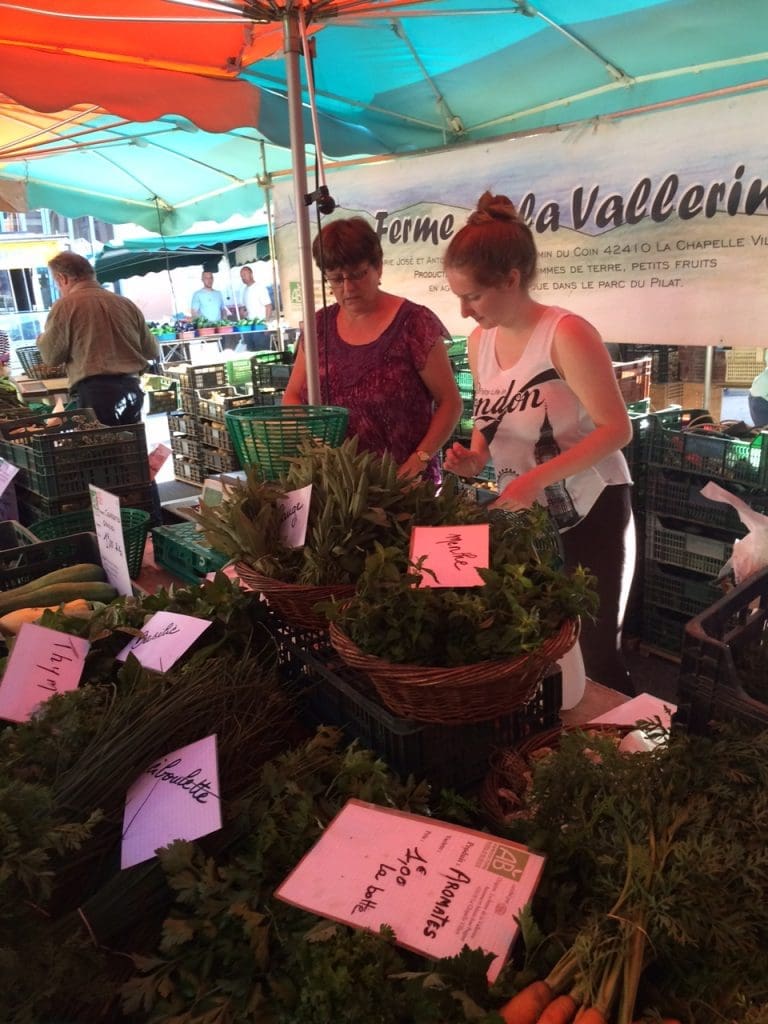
292	46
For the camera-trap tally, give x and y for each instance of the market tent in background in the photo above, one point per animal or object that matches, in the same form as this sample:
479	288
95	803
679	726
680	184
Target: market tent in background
139	256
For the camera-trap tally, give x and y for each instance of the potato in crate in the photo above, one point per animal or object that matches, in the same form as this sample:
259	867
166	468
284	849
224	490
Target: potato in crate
62	454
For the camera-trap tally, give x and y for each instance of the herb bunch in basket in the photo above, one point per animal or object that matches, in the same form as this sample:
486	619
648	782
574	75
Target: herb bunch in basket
357	501
526	597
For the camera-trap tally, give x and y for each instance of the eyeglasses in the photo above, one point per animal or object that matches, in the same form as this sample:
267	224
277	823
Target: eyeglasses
337	280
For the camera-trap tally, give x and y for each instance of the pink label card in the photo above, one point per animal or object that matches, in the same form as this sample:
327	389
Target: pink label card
42	662
452	553
438	886
164	638
157	458
177	797
295	515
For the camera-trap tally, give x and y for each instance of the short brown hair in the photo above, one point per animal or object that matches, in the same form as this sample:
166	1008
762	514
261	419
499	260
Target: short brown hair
493	242
69	264
346	242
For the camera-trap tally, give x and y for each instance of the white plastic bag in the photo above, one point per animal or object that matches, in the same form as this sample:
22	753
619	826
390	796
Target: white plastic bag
750	553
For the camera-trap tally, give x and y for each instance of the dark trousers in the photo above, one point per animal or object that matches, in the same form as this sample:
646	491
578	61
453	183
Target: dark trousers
115	398
604	542
758	410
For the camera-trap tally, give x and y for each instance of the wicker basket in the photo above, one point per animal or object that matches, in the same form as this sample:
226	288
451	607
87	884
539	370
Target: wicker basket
294	602
505	787
459	694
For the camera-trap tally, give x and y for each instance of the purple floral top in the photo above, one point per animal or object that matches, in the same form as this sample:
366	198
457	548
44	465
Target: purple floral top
390	408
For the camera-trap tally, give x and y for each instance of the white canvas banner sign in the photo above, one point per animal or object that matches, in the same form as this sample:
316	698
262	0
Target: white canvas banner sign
655	227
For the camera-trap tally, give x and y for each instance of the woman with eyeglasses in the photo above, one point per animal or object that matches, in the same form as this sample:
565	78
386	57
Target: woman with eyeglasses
549	413
380	356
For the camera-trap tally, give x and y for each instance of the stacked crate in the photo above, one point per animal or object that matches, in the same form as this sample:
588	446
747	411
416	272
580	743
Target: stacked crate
199	439
59	455
666	387
689	539
269	377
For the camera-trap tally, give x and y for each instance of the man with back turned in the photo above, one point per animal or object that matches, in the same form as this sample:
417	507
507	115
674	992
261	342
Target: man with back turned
102	338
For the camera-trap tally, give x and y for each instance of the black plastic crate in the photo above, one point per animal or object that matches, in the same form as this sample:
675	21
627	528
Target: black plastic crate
671	493
676	542
718	646
455	757
56	459
14	535
162	400
216	435
181	422
213	403
678	590
270	375
268	396
662	629
216	461
189	447
24	564
196	377
683	440
188	470
33	506
665	360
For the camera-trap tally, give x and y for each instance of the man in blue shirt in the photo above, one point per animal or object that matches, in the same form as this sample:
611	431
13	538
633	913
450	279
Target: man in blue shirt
208	302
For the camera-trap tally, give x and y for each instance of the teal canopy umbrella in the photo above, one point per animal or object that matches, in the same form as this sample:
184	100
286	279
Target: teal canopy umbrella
137	256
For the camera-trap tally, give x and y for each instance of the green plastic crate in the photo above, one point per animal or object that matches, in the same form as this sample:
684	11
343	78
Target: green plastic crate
185	553
135	523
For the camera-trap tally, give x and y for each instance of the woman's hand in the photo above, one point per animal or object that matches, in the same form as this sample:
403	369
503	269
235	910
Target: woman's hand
463	461
521	492
413	466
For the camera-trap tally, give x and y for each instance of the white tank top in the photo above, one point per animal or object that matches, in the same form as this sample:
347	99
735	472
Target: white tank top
528	414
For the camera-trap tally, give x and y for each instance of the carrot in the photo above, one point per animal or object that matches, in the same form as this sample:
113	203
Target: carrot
526	1006
561	1010
591	1016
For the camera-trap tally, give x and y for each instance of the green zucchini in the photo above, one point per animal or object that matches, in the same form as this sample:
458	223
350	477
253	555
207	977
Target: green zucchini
69	574
56	593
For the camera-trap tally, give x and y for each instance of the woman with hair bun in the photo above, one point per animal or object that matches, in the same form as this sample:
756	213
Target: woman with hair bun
549	413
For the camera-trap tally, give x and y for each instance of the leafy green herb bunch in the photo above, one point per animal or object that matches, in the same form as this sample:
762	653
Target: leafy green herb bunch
358	501
525	597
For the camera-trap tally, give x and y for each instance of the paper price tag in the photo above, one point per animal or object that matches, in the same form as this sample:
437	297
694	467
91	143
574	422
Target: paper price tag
109	534
42	662
438	886
452	553
295	515
7	472
164	638
177	797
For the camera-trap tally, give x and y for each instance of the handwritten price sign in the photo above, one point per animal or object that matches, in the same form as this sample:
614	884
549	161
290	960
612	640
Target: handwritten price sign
164	638
43	662
438	886
177	797
109	534
295	514
452	553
